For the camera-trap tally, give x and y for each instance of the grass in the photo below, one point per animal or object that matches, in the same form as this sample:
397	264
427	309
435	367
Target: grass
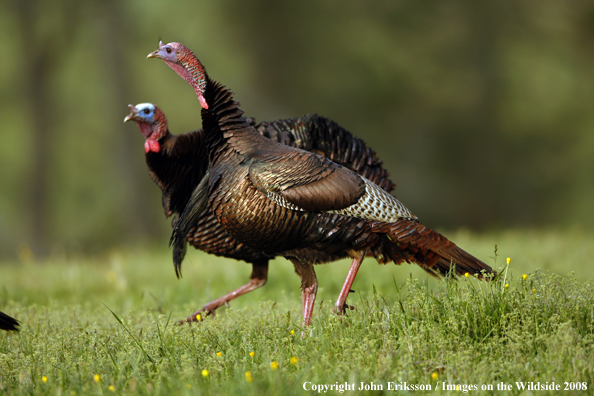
105	325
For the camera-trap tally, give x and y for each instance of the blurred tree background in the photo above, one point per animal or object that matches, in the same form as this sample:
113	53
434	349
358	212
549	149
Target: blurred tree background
481	110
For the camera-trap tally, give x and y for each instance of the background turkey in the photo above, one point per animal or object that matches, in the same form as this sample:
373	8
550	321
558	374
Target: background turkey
291	202
177	163
8	323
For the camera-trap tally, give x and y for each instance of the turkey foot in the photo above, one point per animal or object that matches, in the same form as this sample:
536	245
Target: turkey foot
343	310
258	279
197	316
341	305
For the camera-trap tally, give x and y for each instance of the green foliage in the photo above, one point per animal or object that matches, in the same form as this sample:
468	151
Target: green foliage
408	328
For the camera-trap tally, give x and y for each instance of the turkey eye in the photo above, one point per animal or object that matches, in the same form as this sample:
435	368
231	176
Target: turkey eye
168	49
146	111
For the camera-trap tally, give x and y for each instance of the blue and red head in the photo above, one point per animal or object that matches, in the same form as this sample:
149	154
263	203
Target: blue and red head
152	124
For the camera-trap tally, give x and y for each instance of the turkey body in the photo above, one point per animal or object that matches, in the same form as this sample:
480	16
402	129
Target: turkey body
182	160
282	200
289	202
264	219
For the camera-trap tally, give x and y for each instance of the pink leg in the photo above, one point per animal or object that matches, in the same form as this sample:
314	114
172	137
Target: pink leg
309	288
309	298
340	305
258	279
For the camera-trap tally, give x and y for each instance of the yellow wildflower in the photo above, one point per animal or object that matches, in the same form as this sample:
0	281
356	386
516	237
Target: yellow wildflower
507	285
198	317
294	360
274	365
248	376
467	275
44	378
508	260
434	376
97	377
219	354
524	277
111	388
533	291
292	332
205	373
252	354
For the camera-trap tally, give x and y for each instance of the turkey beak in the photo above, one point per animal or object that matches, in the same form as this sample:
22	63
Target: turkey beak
154	54
132	115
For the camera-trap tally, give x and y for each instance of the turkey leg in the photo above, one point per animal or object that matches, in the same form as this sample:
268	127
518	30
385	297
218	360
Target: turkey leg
340	305
257	279
309	298
309	288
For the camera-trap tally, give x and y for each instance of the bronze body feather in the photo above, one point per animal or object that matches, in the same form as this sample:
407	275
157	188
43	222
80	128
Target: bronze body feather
180	164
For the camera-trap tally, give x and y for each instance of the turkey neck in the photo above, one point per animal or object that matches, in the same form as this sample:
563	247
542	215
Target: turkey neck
226	130
184	147
178	167
178	151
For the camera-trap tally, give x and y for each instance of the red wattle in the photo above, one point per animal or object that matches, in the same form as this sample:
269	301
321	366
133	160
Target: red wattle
151	145
203	102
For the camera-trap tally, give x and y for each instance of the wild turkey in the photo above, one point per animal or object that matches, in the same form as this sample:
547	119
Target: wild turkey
290	202
8	323
177	163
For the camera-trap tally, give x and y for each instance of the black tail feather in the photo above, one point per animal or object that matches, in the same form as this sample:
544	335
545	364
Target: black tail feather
8	323
194	208
179	252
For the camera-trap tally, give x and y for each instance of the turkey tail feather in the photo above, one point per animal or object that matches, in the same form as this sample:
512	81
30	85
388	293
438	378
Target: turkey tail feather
413	242
179	252
8	323
464	262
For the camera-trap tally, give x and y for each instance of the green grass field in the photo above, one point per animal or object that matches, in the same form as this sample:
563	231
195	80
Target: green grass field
406	327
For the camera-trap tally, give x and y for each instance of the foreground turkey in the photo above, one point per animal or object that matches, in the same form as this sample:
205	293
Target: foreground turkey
8	323
177	163
290	202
